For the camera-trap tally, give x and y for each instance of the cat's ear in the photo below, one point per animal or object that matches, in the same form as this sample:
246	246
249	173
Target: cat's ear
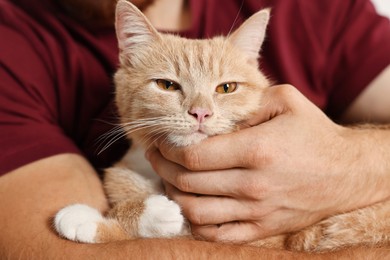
133	30
249	37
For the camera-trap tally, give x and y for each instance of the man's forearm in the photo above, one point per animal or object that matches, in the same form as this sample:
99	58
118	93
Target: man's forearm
30	197
369	152
173	249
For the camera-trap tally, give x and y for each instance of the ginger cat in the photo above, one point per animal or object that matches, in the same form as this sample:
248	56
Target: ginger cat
183	91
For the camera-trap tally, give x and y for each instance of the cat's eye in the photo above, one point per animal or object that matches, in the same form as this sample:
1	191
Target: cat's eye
226	88
167	85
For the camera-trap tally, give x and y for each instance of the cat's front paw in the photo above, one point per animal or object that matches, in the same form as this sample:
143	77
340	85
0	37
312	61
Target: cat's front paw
78	223
161	218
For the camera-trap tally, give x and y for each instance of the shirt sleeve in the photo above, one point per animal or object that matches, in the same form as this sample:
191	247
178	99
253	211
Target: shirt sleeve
358	51
29	128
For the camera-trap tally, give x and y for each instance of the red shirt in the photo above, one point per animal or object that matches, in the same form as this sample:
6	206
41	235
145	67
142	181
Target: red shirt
56	75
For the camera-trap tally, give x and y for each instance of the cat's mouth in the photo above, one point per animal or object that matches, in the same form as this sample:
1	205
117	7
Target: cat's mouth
199	128
187	139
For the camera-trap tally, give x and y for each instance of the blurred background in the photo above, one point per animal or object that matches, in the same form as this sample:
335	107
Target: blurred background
382	6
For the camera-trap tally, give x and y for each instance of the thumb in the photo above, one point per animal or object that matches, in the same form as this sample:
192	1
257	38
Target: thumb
274	103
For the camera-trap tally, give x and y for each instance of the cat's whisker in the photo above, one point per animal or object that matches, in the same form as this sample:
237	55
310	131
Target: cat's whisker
147	138
132	129
132	120
107	136
160	130
154	137
119	132
127	128
157	134
112	141
155	128
235	19
112	122
158	126
116	130
230	31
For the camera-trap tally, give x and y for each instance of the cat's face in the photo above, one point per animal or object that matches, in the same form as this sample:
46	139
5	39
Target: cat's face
186	90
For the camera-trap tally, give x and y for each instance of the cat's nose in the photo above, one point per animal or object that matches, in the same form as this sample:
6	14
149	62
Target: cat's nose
200	113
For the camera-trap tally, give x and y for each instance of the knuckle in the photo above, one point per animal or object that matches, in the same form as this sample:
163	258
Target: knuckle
286	90
182	182
151	157
254	155
216	237
195	216
257	155
205	233
191	159
255	190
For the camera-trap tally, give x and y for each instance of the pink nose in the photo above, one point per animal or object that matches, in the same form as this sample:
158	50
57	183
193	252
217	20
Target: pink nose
200	113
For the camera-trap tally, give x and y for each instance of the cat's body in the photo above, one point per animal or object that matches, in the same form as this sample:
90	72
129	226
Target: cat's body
183	91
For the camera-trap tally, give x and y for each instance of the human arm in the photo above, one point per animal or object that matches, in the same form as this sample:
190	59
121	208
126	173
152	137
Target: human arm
373	104
33	193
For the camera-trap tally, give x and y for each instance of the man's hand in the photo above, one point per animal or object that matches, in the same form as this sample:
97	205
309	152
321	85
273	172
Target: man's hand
291	169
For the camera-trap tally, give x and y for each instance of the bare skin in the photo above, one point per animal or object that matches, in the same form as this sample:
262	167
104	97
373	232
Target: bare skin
179	17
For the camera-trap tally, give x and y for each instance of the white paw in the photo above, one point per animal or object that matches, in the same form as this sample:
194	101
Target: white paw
161	218
78	223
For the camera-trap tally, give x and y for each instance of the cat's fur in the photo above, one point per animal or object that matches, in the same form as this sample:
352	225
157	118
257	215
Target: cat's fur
148	113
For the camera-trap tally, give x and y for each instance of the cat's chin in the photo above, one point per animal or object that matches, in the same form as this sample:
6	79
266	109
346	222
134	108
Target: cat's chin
185	140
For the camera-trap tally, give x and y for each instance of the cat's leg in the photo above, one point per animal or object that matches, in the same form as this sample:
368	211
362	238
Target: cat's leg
367	226
138	207
121	183
150	216
82	223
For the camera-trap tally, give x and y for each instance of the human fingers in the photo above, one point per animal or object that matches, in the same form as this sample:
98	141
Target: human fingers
233	182
272	223
232	232
277	100
214	153
208	210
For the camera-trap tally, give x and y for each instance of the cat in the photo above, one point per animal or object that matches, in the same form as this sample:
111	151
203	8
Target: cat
183	91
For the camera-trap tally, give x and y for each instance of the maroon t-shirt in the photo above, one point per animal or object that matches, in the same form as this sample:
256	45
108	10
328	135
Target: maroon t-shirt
56	75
